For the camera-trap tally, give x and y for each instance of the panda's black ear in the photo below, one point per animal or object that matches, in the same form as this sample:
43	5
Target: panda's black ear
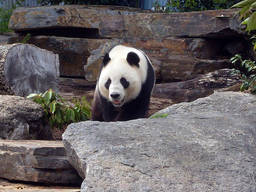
106	59
133	59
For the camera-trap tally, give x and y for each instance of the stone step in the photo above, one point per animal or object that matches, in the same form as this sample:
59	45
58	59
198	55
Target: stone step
36	161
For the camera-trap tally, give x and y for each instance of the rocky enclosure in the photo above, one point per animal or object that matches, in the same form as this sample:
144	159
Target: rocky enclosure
205	145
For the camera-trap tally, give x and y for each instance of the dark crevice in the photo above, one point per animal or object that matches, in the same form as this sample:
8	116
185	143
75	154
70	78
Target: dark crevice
74	32
43	184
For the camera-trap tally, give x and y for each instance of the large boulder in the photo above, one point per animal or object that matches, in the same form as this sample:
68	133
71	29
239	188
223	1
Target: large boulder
21	118
36	161
205	145
26	69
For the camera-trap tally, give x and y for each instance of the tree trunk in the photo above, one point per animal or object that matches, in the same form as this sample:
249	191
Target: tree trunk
26	69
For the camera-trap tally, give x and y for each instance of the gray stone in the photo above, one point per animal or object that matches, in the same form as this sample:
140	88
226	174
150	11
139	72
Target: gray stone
205	145
26	69
21	118
36	161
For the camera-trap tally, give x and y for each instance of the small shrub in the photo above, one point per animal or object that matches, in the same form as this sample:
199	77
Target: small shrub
60	113
247	70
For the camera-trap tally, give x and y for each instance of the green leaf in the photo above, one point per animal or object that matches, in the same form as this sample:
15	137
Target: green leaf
243	3
53	107
251	22
58	117
162	115
72	116
253	5
48	96
26	38
32	95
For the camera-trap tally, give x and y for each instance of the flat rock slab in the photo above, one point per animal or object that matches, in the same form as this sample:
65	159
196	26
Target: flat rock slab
36	161
205	145
123	22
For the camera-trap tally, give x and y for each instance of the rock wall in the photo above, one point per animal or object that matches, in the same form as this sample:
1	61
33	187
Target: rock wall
180	45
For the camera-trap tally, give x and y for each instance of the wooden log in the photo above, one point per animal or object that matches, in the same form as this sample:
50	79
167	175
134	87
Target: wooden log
26	69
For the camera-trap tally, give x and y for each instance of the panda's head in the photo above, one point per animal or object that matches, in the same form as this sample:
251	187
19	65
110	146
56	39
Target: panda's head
123	72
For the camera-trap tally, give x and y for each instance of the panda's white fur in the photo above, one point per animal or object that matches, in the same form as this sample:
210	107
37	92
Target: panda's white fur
119	67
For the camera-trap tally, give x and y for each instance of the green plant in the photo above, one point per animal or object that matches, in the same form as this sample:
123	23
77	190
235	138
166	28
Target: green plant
58	112
193	5
161	115
247	70
26	38
247	13
5	15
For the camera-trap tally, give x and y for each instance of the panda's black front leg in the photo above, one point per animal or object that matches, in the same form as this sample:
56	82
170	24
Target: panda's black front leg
137	108
109	112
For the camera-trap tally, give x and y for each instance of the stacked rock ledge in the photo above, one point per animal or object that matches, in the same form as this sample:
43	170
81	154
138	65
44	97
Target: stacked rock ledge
36	161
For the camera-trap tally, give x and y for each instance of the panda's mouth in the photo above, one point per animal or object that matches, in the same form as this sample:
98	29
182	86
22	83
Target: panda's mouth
118	103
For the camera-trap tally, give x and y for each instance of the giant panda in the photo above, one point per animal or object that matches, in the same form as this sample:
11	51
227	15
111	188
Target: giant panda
124	85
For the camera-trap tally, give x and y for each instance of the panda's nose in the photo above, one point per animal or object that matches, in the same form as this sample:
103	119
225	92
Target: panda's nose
115	95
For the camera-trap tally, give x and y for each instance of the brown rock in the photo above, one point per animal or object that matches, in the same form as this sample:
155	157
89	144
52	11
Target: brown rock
201	86
179	67
36	161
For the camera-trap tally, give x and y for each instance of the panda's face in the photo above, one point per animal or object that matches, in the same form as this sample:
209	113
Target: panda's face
120	80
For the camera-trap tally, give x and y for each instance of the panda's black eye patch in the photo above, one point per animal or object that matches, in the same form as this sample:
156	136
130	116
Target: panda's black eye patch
107	84
133	59
124	82
106	59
